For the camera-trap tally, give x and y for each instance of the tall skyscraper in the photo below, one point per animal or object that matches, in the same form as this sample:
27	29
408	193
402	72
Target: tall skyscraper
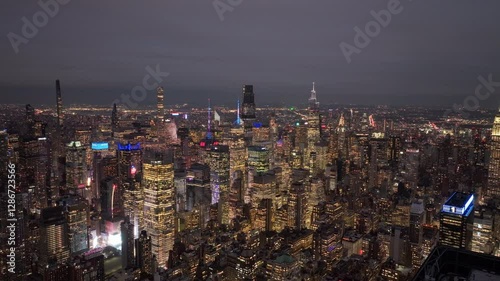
456	221
342	138
30	121
248	111
209	135
160	106
159	205
127	233
297	204
34	175
60	114
313	127
313	102
209	139
76	211
114	120
484	223
493	190
416	232
129	179
238	121
76	167
143	249
258	159
219	168
54	244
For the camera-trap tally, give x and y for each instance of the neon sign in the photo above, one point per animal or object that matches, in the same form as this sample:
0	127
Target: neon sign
100	146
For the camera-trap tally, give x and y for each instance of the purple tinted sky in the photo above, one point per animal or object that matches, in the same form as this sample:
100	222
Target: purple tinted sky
431	53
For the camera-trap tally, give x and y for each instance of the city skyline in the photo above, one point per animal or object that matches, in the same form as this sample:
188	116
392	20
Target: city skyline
250	140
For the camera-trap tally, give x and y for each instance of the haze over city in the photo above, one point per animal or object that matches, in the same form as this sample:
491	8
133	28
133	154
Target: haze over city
429	54
250	140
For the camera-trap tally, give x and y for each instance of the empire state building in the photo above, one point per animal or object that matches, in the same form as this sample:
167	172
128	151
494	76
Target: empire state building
494	168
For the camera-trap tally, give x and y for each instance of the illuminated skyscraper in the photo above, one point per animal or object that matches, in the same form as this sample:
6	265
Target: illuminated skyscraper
218	158
34	175
313	126
209	139
109	199
258	158
416	233
54	243
248	111
129	175
456	221
313	102
482	237
129	161
493	190
342	138
209	135
159	206
160	106
114	120
238	121
76	211
76	167
237	159
30	121
297	204
197	198
60	114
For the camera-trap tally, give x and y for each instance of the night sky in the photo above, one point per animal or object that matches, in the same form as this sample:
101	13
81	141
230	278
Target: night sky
430	53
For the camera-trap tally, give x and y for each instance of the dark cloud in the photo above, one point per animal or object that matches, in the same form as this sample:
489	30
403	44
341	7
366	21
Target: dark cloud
433	51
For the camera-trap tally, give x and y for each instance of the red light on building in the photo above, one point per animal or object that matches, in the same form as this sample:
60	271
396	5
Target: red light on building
203	144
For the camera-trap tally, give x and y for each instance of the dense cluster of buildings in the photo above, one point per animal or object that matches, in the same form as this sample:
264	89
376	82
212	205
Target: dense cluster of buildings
245	194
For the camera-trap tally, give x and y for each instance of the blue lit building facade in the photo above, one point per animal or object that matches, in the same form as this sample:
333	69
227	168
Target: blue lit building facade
456	221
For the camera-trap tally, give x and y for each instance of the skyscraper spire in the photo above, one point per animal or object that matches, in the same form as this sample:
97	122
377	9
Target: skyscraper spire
114	119
341	120
238	121
313	103
209	121
59	104
160	107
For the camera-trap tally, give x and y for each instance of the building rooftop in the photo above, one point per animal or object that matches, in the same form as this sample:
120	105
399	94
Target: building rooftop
458	199
477	275
459	204
450	262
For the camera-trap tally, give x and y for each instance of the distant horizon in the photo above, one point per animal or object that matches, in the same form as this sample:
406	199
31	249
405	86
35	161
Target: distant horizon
279	47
